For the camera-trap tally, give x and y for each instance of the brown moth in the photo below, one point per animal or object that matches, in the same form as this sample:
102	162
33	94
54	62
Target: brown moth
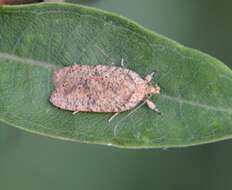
101	88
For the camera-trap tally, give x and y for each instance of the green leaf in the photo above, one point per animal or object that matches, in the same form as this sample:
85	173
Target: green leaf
196	91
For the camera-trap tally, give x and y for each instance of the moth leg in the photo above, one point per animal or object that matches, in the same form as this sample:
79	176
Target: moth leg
122	63
75	112
152	106
113	116
149	77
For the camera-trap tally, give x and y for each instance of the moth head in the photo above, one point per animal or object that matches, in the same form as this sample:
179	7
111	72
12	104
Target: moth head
150	90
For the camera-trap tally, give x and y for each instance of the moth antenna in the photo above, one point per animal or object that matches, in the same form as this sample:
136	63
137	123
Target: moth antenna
129	114
103	52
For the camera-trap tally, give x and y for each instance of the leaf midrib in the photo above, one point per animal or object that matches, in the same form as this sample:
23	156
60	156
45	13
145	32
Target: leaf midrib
22	60
29	61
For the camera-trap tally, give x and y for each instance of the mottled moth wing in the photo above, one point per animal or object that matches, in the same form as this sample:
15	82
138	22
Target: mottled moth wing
97	88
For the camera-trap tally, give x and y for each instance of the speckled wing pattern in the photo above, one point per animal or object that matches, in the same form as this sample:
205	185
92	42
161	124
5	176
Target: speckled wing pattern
98	88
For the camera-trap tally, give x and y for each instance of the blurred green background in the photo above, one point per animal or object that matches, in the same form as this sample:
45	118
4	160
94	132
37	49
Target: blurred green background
34	162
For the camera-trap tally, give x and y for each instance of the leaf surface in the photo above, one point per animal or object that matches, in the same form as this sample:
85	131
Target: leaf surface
196	92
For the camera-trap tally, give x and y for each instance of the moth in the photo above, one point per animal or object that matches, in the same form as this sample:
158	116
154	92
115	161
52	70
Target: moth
101	88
